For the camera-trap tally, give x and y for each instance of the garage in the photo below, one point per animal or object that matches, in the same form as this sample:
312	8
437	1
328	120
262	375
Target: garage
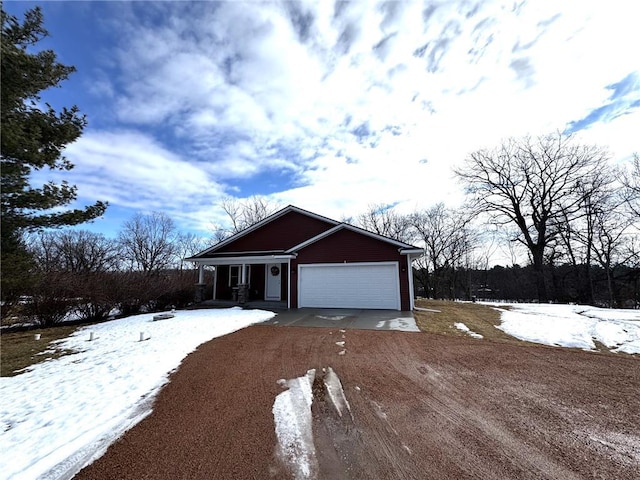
349	285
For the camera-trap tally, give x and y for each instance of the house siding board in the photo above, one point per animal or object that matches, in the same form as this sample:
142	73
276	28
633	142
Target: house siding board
281	234
348	246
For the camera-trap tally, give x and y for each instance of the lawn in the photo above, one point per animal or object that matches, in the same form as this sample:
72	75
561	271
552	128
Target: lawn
19	350
481	319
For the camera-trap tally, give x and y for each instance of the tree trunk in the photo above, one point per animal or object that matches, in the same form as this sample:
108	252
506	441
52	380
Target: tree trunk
610	285
589	284
538	268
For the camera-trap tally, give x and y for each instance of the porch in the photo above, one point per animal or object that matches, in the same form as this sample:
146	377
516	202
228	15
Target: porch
255	282
252	304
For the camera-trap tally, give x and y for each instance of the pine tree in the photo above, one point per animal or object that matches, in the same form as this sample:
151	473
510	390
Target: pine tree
33	138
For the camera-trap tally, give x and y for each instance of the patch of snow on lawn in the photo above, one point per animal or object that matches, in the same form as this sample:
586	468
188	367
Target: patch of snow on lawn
462	327
294	429
61	414
574	326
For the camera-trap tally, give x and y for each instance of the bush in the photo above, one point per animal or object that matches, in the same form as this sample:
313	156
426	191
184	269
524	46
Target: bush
53	299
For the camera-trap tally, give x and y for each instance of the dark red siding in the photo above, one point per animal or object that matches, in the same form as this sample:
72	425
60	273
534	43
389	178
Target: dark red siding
348	246
282	233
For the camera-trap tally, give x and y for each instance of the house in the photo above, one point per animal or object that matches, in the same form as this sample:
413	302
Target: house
308	260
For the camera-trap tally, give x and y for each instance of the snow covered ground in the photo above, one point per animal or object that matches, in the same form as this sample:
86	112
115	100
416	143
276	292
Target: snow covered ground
60	414
574	326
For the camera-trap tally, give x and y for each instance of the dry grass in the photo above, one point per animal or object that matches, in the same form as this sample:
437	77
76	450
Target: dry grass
480	319
19	350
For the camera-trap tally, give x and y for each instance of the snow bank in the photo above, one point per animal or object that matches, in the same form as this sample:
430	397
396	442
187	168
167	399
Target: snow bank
574	326
294	427
59	415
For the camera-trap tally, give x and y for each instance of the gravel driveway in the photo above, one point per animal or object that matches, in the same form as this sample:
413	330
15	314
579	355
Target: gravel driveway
423	406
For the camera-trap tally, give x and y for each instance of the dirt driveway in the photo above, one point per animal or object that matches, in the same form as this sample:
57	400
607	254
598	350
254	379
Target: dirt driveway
423	407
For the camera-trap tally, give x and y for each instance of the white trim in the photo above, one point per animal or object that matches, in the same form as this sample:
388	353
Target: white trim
410	274
200	274
215	282
404	247
241	259
289	283
354	264
412	251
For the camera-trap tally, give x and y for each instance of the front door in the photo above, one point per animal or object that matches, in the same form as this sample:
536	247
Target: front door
273	283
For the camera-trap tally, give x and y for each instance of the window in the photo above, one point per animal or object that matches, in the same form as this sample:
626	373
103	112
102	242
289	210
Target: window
235	274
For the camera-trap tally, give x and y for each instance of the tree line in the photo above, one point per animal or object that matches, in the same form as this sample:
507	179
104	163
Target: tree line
87	276
550	202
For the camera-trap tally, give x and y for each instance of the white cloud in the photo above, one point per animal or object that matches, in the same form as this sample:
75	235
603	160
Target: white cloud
131	170
352	98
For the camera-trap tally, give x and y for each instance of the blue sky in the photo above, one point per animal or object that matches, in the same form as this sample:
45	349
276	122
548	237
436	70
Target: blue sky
327	106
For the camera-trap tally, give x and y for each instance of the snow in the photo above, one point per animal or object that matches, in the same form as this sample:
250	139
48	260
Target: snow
61	414
294	422
336	392
335	318
462	327
293	425
406	324
574	326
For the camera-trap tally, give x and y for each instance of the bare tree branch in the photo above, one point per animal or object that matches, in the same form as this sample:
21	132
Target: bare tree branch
534	183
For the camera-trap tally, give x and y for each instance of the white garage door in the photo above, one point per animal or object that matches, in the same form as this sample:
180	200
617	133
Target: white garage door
349	285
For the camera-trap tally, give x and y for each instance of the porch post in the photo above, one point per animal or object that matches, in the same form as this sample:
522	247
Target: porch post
243	288
200	273
215	281
200	286
410	274
288	283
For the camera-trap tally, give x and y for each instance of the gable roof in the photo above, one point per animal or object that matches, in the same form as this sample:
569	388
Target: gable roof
404	248
261	223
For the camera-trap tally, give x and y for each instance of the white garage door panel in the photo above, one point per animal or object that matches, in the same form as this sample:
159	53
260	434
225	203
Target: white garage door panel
349	286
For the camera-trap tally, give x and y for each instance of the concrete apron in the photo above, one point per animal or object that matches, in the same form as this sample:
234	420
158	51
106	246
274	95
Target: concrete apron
345	319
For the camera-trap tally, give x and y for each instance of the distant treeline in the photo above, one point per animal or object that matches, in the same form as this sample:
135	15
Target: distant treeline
566	284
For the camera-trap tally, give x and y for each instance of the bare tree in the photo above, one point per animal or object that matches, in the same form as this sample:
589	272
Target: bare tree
244	213
381	219
447	240
84	251
74	273
187	245
534	184
576	230
149	242
631	184
44	250
610	228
